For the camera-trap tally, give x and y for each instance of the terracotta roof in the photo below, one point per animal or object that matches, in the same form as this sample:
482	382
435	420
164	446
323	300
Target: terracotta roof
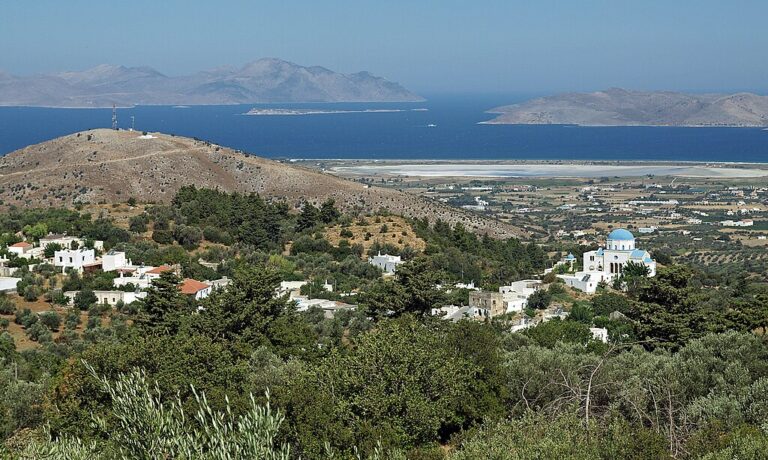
190	286
160	269
22	244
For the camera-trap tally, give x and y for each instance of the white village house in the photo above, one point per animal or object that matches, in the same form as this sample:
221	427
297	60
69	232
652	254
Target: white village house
386	262
110	298
515	295
20	248
606	264
113	260
74	258
66	241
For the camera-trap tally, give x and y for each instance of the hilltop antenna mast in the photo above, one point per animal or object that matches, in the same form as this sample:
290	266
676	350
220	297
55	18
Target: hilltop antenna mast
114	117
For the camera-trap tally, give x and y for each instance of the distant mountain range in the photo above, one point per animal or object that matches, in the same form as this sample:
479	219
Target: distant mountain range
619	107
265	80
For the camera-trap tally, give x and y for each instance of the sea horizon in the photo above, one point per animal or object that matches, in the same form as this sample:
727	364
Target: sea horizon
450	129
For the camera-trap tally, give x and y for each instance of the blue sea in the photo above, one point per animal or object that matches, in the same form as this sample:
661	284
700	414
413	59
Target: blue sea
447	130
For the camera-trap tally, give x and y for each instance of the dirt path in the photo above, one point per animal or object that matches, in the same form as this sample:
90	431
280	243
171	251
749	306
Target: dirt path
116	160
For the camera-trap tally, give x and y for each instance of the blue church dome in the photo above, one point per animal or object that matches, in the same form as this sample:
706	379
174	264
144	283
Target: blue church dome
621	235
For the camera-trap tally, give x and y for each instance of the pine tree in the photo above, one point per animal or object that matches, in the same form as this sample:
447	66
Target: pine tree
164	305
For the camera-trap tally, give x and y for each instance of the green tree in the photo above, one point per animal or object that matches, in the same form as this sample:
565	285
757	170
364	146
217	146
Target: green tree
540	299
414	290
245	310
7	307
36	231
85	299
550	333
187	236
309	217
51	320
164	307
50	249
328	212
349	399
162	236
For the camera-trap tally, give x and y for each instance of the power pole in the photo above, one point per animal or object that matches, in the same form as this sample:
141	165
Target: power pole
114	117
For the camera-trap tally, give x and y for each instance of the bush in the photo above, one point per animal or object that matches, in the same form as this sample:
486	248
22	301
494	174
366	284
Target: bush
72	320
187	236
20	315
31	293
216	235
84	299
39	333
93	322
162	236
7	307
138	224
146	425
540	299
346	233
51	320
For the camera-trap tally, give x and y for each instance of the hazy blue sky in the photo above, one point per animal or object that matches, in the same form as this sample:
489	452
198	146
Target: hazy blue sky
429	46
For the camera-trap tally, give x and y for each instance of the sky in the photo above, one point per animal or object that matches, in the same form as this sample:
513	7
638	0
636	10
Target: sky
430	46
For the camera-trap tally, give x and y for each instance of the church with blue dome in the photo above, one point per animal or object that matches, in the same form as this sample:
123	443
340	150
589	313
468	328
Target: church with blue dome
607	263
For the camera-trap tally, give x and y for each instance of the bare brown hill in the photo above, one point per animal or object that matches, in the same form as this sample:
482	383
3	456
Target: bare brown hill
109	166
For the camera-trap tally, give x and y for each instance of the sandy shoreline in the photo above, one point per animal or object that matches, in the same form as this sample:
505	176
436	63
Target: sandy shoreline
547	170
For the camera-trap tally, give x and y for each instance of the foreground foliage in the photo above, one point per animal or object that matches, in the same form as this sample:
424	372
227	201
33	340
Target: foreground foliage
145	426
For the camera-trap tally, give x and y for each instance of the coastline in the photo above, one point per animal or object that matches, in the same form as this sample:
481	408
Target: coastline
554	169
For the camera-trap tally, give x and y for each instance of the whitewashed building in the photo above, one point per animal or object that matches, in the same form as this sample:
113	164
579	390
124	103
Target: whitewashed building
606	264
8	284
515	295
110	298
113	260
20	249
386	262
74	258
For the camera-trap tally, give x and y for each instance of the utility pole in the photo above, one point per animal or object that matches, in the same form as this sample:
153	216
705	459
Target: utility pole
133	123
114	117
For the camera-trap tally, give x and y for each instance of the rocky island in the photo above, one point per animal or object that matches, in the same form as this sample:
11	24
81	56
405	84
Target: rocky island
620	107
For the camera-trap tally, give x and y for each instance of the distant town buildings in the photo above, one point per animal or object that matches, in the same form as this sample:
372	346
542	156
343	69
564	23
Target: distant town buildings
738	223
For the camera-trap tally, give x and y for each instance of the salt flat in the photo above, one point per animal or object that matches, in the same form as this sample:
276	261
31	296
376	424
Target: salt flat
548	170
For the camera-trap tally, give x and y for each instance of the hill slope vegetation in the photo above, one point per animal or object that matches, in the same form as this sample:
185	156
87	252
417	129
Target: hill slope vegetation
106	166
